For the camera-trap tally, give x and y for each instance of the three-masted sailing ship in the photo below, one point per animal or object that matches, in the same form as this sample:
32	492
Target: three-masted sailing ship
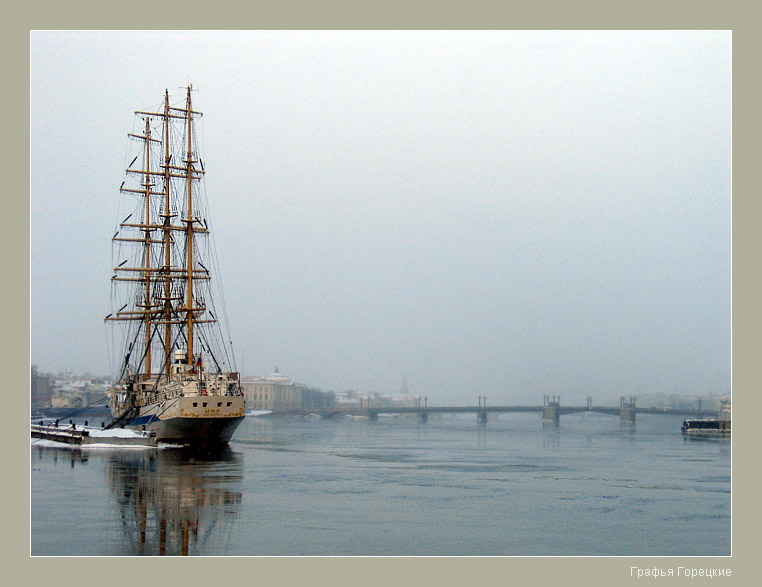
176	369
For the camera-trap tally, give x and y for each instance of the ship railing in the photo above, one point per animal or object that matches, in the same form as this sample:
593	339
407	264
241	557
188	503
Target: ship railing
166	396
214	387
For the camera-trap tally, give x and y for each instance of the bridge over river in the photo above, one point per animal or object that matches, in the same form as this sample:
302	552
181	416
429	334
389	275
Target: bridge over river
551	410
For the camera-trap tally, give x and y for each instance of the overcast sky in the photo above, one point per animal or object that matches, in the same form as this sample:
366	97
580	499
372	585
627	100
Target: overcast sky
482	213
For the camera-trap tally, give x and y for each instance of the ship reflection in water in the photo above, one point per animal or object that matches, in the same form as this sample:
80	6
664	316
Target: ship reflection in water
175	502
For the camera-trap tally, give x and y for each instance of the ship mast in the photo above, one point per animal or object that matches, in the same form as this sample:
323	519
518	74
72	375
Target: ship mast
147	250
143	308
166	283
167	243
189	231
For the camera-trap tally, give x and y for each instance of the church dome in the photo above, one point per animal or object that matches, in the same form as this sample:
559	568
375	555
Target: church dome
277	376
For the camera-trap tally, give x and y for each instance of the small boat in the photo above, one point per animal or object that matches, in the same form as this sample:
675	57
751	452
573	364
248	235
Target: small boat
176	375
710	427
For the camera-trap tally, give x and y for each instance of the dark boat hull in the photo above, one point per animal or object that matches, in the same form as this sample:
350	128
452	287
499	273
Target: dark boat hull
715	428
195	430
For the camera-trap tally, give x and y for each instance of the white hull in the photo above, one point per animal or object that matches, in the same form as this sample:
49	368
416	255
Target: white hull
190	420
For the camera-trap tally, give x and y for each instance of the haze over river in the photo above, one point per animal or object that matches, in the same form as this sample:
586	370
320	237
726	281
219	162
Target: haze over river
396	486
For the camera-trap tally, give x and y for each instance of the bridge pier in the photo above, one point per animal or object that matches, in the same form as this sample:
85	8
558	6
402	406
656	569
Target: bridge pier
550	416
482	417
551	410
627	410
373	416
423	417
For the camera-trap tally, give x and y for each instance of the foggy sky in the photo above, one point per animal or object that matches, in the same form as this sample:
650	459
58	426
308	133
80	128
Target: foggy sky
487	213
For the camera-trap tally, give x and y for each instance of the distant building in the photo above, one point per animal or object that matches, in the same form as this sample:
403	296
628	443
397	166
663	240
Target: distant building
675	401
41	392
67	398
403	398
65	390
357	399
278	392
353	398
315	398
274	392
95	392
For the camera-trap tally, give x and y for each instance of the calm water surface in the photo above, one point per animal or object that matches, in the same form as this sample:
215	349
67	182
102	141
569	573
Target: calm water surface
394	487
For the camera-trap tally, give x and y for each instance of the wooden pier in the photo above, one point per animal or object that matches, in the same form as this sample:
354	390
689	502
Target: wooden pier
82	436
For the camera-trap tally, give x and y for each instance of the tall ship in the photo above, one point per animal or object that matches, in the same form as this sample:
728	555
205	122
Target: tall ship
175	367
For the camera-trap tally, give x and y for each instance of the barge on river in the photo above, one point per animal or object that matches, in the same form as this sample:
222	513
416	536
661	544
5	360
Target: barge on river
713	427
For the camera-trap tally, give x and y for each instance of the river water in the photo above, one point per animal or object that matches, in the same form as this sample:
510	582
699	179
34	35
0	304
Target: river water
395	486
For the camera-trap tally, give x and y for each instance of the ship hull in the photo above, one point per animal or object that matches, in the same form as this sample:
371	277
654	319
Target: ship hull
194	430
191	420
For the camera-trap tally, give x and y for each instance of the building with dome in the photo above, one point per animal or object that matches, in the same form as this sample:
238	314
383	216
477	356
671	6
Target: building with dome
274	392
403	398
